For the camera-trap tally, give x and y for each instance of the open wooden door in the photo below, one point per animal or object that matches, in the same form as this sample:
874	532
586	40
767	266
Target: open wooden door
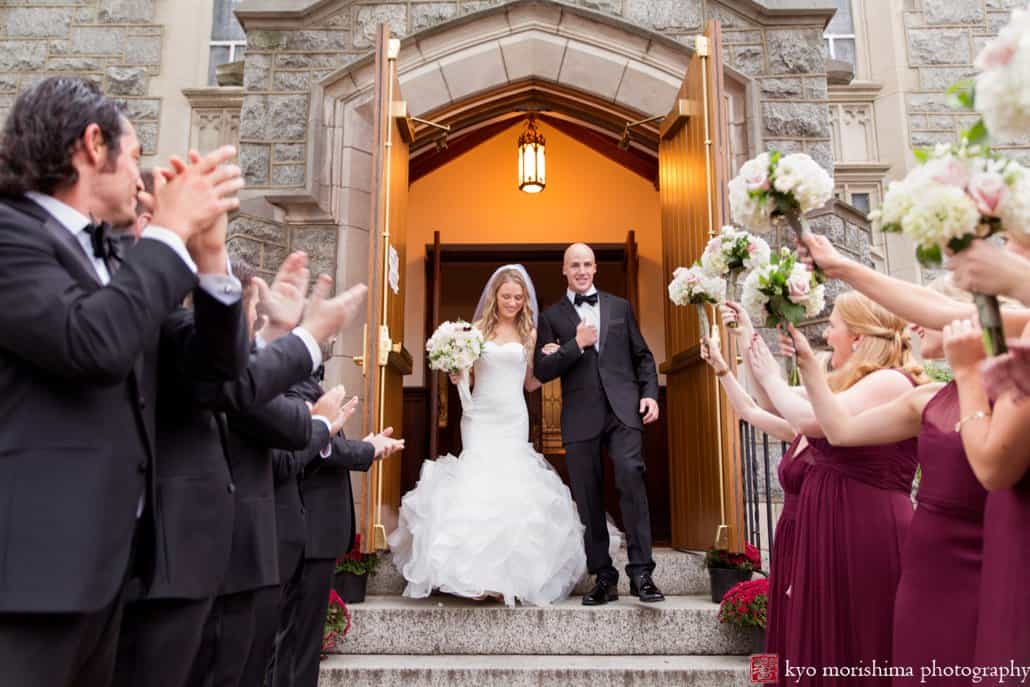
385	360
704	461
631	265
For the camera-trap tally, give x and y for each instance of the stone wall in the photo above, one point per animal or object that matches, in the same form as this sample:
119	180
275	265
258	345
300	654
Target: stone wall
112	42
944	37
281	65
285	57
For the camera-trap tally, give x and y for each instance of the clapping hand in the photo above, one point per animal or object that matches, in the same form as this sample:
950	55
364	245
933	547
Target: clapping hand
326	316
282	303
190	199
384	443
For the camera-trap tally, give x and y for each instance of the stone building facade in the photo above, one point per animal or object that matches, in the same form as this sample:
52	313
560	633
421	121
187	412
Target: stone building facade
305	169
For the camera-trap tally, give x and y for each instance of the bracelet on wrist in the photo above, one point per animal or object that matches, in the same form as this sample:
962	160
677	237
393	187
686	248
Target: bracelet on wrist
978	415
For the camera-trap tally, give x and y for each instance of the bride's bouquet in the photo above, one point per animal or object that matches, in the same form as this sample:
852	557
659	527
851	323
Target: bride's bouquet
454	347
696	286
774	186
960	193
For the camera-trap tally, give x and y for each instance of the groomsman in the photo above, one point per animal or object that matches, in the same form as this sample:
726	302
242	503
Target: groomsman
71	338
197	485
325	488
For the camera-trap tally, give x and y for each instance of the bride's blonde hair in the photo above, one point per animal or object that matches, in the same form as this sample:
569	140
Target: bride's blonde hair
885	342
523	321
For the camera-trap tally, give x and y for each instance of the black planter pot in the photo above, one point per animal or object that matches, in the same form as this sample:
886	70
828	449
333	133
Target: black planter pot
350	587
722	579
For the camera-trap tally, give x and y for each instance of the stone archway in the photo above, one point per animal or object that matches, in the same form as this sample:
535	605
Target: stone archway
617	71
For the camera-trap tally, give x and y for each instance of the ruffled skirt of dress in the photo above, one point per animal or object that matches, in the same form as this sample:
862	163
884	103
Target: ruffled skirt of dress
497	520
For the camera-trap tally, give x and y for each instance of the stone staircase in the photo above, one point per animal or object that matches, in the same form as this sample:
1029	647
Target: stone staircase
443	640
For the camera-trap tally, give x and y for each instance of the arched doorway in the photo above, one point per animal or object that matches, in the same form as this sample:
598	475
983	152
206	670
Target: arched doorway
590	76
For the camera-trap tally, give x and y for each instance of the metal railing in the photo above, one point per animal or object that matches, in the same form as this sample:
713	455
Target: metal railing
759	475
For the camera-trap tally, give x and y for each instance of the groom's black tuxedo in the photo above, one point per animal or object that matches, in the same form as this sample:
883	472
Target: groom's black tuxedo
601	395
623	373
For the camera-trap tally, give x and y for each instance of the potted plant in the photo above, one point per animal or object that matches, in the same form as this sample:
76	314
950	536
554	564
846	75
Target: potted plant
352	571
745	606
726	569
337	623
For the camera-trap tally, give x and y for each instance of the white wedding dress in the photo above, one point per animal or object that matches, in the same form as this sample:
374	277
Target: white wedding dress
497	519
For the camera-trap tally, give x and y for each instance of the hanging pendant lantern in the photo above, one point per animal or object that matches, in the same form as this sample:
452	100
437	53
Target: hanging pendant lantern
532	170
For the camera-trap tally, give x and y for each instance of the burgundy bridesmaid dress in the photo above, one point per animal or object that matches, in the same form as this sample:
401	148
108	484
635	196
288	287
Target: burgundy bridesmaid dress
853	512
792	474
1003	634
935	611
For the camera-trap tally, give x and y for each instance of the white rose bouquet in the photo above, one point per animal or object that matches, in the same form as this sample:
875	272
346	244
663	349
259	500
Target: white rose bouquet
454	347
783	291
695	286
733	251
774	186
1003	84
960	193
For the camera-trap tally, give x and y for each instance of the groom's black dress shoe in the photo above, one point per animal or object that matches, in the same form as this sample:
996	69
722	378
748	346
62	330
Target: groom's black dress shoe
603	592
645	589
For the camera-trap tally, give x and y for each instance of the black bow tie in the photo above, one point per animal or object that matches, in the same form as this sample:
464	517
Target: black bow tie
98	236
580	299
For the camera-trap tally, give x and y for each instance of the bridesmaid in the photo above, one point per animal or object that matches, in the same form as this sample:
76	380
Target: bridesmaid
996	441
854	505
935	612
791	472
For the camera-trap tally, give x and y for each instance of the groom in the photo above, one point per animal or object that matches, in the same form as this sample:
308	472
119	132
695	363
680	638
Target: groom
609	392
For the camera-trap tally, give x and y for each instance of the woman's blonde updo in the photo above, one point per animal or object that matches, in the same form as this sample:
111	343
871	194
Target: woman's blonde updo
885	342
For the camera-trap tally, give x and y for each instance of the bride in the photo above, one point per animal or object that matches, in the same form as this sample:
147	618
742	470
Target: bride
497	520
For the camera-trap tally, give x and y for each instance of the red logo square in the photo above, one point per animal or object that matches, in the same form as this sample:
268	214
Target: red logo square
765	668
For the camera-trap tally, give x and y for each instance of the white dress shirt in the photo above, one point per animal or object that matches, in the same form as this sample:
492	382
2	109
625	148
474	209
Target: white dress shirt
225	288
591	314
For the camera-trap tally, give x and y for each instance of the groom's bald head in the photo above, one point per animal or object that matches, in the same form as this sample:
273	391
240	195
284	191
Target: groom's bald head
579	267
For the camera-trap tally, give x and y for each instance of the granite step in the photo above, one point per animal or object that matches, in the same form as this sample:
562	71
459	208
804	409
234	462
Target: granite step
677	573
535	671
682	625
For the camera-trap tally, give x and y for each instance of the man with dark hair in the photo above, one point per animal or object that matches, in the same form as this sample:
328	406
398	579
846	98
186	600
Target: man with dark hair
72	335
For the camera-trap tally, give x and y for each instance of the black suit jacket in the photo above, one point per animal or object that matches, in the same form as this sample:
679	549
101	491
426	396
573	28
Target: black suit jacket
290	527
620	375
74	444
283	423
326	489
196	482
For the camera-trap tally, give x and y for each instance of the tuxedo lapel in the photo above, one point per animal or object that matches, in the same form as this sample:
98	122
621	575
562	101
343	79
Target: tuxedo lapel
604	304
570	311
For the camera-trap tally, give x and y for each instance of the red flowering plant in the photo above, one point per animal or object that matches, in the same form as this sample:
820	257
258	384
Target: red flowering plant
749	561
745	604
357	563
337	623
